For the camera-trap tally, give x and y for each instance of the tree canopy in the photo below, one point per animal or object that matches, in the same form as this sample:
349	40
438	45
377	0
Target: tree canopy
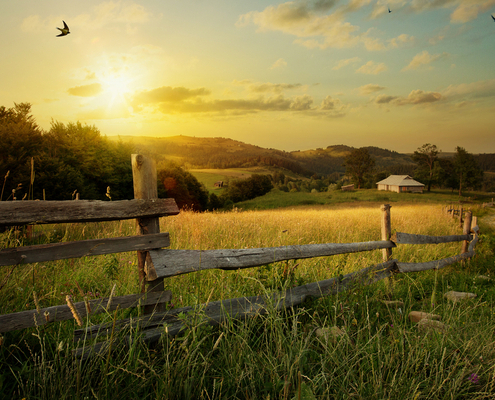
358	164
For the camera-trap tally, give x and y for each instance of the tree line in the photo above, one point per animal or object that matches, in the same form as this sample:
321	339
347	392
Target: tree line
75	159
460	172
70	159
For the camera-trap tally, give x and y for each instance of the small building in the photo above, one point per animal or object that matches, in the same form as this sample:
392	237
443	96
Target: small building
400	184
218	184
348	188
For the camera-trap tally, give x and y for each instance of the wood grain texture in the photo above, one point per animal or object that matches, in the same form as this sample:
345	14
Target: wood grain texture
409	238
177	262
47	212
28	319
81	248
217	312
437	264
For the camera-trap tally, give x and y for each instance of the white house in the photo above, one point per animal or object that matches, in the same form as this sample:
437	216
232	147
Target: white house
400	184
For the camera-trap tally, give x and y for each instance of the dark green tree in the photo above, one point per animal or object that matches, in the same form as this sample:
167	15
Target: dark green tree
358	165
426	156
183	186
20	140
245	189
78	157
468	172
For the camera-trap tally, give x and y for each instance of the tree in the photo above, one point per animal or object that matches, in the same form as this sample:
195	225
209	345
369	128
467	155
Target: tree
468	171
183	186
20	140
358	164
246	189
426	156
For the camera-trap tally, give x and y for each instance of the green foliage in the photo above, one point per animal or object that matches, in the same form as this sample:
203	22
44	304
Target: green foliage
181	185
20	139
359	164
69	157
246	189
468	172
426	157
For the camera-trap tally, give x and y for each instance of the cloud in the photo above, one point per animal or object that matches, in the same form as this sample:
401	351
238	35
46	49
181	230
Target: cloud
384	99
419	97
181	100
400	41
280	63
469	10
477	89
424	58
416	97
268	87
371	68
168	94
464	10
86	90
343	63
303	20
370	88
332	107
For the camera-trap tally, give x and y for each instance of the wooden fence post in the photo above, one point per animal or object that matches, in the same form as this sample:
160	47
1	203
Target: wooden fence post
466	231
461	211
145	187
386	230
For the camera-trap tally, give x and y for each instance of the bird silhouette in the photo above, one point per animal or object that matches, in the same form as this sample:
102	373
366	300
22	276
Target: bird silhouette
389	10
64	30
493	17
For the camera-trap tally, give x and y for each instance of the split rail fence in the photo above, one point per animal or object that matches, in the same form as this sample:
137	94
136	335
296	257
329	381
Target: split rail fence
155	263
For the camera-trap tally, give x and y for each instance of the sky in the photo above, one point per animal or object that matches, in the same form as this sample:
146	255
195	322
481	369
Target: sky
287	75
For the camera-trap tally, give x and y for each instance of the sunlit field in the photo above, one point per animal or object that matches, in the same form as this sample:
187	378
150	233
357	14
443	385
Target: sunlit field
277	355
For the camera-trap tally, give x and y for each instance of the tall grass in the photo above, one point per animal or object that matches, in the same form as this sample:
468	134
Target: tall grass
278	355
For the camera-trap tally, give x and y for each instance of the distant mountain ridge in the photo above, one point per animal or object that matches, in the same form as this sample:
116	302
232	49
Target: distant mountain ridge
219	152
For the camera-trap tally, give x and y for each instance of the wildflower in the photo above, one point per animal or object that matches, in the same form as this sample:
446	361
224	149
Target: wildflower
473	378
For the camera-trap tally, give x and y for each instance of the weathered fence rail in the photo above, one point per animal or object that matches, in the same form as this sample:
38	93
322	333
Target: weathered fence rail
156	263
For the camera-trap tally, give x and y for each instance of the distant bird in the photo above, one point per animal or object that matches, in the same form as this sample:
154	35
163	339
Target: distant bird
389	10
493	17
64	30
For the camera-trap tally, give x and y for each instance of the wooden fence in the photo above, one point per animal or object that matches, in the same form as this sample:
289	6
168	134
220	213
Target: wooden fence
155	263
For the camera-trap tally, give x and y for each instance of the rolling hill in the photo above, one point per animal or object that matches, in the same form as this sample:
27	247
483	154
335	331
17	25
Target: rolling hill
220	153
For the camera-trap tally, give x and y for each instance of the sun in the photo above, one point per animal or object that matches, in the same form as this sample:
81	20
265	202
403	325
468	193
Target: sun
117	85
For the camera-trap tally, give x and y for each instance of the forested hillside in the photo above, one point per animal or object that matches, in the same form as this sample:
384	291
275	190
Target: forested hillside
227	153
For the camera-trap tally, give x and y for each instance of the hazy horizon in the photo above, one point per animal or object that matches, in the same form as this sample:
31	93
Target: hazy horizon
287	75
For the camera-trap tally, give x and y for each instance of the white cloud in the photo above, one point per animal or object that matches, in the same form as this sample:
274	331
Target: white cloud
371	68
423	59
304	21
343	63
370	88
280	63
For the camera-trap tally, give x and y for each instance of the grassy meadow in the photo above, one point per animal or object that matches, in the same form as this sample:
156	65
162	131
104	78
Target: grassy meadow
278	355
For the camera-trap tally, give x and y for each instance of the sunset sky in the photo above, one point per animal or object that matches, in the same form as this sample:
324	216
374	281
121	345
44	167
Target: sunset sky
287	75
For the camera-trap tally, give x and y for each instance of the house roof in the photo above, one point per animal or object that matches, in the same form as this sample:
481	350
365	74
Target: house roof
399	180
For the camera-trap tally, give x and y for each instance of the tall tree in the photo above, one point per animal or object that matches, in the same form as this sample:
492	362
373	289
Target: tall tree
358	164
426	156
20	140
467	169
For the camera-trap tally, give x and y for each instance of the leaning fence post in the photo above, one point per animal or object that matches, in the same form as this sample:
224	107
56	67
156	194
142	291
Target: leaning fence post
386	230
466	231
145	187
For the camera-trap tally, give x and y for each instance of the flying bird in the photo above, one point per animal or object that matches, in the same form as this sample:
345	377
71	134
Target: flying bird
493	17
64	30
389	10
